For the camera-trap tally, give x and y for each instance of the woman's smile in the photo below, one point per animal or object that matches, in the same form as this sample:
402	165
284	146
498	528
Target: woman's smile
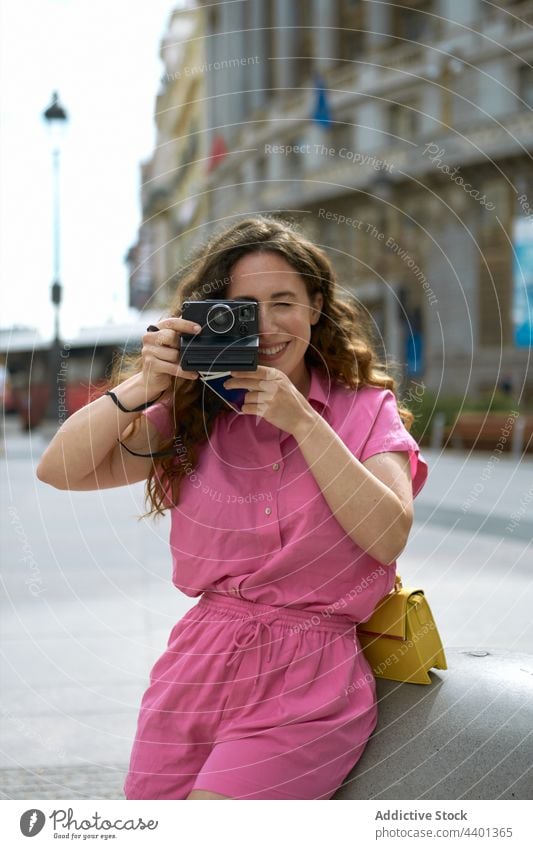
272	352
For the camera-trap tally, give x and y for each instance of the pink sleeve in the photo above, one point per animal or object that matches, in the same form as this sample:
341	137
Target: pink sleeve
385	431
160	416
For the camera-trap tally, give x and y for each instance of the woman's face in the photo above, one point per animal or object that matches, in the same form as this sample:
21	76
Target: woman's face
285	312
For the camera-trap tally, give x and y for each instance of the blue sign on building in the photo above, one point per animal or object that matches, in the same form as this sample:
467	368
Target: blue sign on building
523	282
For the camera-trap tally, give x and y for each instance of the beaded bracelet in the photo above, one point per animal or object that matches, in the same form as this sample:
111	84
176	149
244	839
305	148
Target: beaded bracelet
135	409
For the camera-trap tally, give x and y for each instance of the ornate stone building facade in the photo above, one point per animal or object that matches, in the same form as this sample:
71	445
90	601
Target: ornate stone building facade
174	208
408	158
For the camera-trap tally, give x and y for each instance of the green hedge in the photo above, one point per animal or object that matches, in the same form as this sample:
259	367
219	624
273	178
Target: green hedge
424	404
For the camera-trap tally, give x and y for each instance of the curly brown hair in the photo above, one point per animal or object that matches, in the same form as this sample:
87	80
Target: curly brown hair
341	346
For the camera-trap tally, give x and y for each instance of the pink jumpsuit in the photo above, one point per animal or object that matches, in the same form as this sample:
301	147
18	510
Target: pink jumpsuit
263	691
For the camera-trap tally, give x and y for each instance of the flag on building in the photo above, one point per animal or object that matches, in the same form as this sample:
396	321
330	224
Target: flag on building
321	112
218	152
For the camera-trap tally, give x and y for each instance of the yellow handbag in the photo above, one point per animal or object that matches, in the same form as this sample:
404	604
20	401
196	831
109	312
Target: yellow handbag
400	640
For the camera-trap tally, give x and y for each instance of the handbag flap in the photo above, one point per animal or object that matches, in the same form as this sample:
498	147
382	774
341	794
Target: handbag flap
389	619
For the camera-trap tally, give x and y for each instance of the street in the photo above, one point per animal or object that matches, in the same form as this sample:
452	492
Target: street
88	604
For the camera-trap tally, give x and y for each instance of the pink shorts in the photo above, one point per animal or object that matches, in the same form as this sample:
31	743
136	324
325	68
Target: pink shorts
253	702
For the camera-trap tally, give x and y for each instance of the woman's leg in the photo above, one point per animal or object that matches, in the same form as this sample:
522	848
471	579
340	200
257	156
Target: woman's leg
206	794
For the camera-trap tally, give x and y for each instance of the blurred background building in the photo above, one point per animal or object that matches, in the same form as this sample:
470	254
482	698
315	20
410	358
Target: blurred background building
399	136
172	180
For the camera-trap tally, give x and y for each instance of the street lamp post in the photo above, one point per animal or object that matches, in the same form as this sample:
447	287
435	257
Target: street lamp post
55	116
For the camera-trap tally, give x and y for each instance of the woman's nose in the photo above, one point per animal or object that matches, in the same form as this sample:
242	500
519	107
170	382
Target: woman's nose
266	319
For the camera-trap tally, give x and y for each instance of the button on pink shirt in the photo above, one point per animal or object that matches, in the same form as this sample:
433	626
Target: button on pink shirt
251	519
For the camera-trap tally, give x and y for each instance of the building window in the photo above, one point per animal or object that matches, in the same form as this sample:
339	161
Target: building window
343	135
269	47
404	119
294	165
412	232
525	84
495	267
462	89
350	18
412	19
303	44
260	170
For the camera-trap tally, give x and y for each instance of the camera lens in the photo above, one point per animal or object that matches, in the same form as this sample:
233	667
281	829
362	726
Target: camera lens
220	318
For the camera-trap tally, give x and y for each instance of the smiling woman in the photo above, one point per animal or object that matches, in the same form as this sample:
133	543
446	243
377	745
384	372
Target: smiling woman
286	316
263	691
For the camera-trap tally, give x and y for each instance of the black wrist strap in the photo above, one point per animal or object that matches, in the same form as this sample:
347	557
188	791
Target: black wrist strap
135	409
152	454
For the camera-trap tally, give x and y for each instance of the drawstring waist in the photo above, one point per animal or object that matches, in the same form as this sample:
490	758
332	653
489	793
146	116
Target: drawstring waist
237	646
256	619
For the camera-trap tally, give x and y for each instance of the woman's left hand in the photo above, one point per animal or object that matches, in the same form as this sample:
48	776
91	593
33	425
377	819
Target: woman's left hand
272	396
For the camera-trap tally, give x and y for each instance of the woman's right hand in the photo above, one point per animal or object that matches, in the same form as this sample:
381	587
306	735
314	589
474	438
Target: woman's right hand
81	454
161	353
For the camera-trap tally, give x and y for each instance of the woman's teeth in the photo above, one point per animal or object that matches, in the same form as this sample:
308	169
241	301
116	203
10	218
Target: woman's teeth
274	350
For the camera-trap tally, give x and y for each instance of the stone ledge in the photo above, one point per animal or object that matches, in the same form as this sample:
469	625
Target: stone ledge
462	737
465	736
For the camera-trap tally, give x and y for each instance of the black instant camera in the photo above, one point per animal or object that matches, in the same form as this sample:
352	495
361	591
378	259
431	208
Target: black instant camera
229	339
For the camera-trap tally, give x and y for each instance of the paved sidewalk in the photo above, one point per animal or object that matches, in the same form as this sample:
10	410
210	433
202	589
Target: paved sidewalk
89	604
68	782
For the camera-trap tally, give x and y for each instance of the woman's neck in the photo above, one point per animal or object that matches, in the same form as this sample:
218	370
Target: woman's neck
303	382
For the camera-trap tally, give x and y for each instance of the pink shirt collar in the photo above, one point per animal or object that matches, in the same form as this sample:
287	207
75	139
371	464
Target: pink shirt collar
320	391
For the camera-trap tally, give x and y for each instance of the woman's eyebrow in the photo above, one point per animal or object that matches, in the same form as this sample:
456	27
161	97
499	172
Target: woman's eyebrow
282	295
273	295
